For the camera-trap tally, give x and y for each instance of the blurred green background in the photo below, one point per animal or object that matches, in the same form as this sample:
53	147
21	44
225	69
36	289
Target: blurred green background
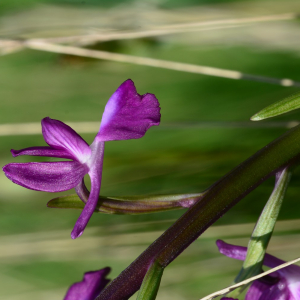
205	132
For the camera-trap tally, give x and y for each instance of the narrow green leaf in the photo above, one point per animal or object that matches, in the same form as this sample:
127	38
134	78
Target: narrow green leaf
278	108
130	204
151	282
262	232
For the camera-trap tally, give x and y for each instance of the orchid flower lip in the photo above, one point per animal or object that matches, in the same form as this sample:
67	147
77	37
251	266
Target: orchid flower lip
128	115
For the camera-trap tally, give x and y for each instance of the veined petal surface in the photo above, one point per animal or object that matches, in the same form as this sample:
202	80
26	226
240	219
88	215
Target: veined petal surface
90	287
128	115
59	135
46	176
42	151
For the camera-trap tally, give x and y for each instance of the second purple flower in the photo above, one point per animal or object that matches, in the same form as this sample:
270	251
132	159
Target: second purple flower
287	280
127	115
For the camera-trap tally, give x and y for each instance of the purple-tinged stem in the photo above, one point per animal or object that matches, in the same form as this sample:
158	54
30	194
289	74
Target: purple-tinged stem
282	152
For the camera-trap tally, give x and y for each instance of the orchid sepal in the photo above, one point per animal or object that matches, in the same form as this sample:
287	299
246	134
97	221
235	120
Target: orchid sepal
46	176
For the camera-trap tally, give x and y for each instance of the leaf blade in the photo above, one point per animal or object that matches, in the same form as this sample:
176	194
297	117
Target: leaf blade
278	108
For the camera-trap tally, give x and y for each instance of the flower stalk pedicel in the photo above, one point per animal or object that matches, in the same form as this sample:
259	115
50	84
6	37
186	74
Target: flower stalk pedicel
129	205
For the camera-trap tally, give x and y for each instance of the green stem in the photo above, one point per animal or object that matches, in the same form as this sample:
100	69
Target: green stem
282	152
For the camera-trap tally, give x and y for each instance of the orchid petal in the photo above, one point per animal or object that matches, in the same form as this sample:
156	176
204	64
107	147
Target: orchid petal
232	251
95	174
279	291
256	289
239	252
90	287
46	176
128	115
42	151
294	287
58	135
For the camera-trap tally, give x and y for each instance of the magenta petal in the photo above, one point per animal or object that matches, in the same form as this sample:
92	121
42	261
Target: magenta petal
46	176
236	252
256	290
95	175
90	287
128	115
58	135
239	252
279	291
42	151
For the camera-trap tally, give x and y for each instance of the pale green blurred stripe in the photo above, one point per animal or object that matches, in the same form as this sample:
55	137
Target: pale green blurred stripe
191	266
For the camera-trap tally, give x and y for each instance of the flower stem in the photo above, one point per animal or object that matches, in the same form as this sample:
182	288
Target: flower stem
230	189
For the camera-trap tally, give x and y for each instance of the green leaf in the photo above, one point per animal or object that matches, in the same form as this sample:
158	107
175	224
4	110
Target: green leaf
151	282
130	204
288	104
262	232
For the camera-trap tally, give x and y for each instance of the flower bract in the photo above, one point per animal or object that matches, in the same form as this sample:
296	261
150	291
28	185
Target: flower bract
127	115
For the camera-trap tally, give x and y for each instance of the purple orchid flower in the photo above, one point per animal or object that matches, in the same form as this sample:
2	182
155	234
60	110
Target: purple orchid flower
90	287
287	285
127	115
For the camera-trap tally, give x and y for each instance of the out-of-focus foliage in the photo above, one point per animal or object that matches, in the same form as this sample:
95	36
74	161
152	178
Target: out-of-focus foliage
205	132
